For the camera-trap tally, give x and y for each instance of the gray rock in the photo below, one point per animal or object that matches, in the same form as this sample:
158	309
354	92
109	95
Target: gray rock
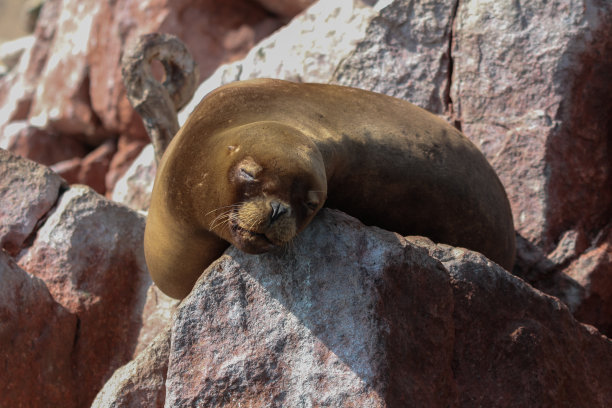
27	192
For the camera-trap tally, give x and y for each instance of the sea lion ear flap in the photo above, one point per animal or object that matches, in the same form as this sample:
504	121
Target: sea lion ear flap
232	149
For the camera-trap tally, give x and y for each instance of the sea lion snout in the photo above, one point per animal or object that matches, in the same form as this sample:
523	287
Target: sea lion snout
262	223
278	209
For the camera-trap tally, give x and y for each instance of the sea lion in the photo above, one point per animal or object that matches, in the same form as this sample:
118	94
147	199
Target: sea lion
257	159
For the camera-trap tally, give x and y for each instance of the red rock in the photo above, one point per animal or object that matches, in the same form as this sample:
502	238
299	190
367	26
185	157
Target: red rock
157	314
17	89
95	165
40	145
141	383
508	87
593	270
405	53
134	188
89	253
36	338
286	8
524	348
62	98
127	151
28	191
69	169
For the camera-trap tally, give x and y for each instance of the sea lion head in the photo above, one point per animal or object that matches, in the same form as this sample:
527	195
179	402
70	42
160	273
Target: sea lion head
276	183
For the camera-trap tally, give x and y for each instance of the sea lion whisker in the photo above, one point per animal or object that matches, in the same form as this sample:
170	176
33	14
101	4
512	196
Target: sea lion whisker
224	207
220	219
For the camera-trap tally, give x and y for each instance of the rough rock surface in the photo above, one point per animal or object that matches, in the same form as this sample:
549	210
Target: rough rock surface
141	383
134	188
36	338
540	113
40	145
89	252
70	80
403	322
27	192
85	305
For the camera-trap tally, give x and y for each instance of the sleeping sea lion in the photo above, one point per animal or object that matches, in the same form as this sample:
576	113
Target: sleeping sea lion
257	159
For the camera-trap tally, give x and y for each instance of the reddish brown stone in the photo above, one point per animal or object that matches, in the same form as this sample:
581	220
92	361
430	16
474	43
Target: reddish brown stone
540	113
127	151
89	253
40	145
400	322
69	169
95	166
286	8
593	270
62	98
36	339
18	88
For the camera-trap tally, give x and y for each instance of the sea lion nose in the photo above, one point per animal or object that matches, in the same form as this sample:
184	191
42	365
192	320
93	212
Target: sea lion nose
278	209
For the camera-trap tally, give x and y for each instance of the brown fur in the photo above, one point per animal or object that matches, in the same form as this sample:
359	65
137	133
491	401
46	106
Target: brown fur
253	145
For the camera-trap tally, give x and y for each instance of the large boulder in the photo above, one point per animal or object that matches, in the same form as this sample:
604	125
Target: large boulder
89	253
400	322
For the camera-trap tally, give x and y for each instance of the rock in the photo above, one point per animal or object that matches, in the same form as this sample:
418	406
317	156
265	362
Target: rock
95	166
40	145
286	8
405	54
36	338
28	192
536	111
157	313
141	383
11	51
127	151
215	32
18	87
134	188
524	341
402	322
69	80
316	45
62	99
89	253
69	169
593	270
